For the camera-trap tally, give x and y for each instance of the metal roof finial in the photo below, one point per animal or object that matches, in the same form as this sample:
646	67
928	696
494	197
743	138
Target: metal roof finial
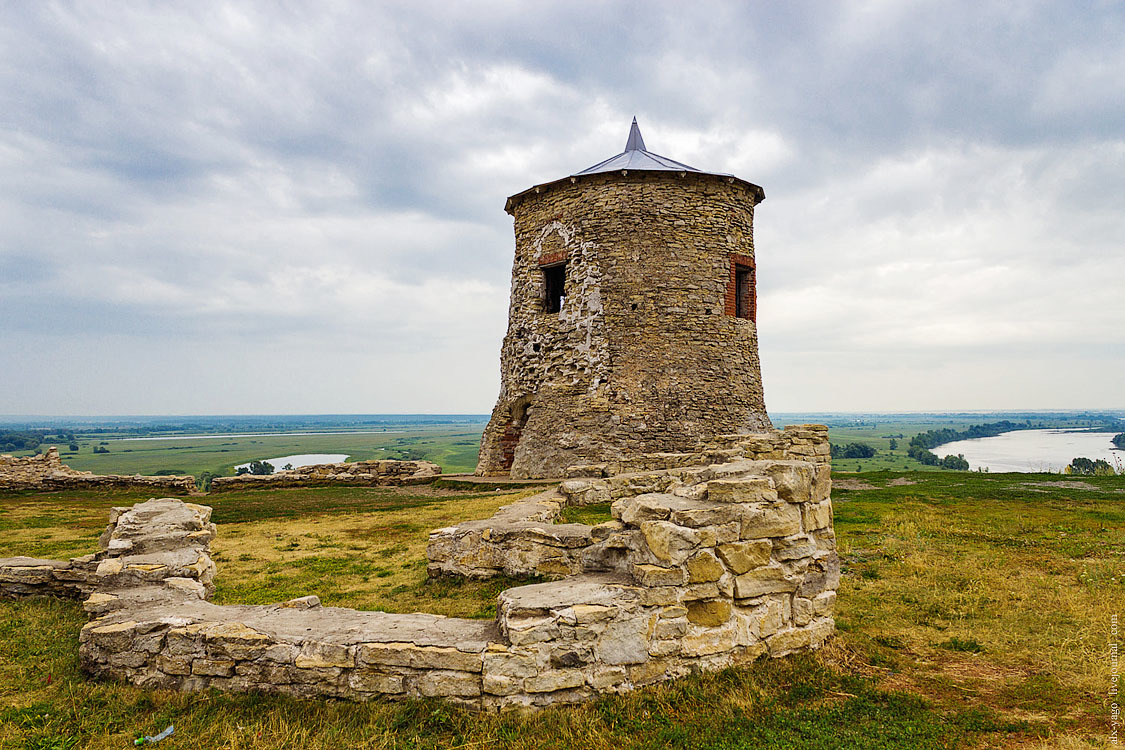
635	142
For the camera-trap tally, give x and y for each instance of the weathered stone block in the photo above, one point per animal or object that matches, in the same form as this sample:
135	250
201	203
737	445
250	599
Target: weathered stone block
117	636
793	479
711	613
703	567
588	613
743	556
777	519
172	665
374	681
510	665
668	542
803	612
793	639
671	628
555	679
495	684
316	655
129	659
707	515
213	667
822	574
751	490
237	641
793	548
762	581
710	641
712	536
624	642
603	678
817	515
444	683
417	657
775	613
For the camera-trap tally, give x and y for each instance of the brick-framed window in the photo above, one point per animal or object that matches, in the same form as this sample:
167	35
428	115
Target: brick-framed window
742	295
553	267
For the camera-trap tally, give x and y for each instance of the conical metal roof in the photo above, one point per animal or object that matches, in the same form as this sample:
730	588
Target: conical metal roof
635	158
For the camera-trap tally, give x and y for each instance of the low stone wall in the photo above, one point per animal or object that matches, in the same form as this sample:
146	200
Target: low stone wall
723	564
148	544
360	473
46	471
522	538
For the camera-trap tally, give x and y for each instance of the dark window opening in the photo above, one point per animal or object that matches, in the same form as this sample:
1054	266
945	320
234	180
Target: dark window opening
513	430
744	302
554	287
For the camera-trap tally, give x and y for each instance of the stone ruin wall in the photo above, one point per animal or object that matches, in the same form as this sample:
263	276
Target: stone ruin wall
381	473
46	471
523	539
704	565
643	356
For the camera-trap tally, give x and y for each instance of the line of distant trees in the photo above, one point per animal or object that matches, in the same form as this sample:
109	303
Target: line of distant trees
259	468
1119	440
931	439
921	445
21	440
1096	468
29	440
852	450
929	458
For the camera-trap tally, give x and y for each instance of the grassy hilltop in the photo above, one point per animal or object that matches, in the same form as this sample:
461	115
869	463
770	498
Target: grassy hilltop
974	611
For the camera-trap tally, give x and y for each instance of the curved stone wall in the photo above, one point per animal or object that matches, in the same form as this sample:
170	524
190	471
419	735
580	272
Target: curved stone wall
642	357
703	566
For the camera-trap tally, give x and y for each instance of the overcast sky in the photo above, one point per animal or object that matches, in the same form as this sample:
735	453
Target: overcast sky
286	207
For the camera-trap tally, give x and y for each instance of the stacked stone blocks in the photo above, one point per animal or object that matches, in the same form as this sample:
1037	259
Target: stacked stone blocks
702	566
377	473
642	356
46	471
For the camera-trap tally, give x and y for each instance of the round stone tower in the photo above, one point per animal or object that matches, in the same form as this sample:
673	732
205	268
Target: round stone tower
631	327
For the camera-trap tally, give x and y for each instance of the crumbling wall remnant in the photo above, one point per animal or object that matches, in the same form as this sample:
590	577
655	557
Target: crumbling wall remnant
46	471
359	473
704	565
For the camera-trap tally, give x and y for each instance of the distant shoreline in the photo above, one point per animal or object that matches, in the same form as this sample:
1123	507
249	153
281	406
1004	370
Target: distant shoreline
256	434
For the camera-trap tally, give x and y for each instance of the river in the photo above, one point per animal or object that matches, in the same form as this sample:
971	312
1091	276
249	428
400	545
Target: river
1034	450
302	459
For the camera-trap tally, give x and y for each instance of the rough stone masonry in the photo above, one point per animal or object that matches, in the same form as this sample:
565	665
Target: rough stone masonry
713	557
46	471
631	325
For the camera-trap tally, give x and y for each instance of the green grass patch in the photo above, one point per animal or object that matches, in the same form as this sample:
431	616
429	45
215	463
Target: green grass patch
591	515
973	612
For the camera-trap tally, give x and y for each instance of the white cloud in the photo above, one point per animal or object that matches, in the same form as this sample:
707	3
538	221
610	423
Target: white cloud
291	209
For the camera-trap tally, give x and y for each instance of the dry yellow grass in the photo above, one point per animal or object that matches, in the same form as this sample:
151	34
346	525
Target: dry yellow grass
362	560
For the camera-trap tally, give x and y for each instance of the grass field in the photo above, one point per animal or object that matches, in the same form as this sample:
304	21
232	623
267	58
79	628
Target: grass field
974	611
453	447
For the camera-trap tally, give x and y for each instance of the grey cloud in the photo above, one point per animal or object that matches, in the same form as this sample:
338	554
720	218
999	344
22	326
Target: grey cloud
942	178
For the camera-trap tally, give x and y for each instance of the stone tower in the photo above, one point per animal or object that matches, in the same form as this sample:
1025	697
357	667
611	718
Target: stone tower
631	327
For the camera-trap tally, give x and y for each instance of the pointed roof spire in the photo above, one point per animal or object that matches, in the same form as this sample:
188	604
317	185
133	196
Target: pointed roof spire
636	157
635	142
